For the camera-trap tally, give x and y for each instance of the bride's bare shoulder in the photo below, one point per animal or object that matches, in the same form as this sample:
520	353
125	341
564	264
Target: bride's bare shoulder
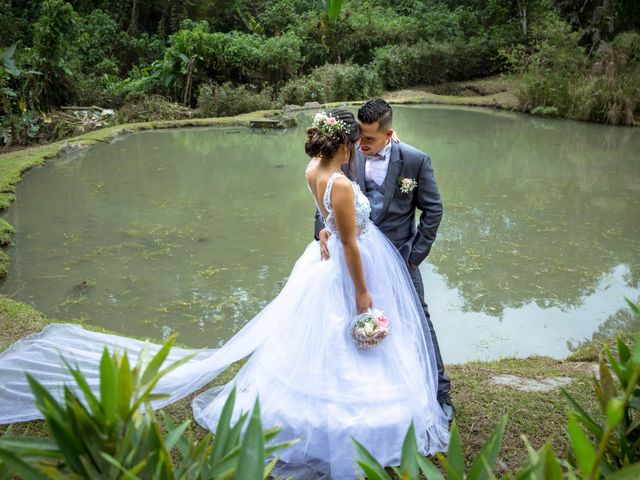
312	168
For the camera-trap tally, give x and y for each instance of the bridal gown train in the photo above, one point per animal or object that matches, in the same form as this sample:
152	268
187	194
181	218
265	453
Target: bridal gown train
304	366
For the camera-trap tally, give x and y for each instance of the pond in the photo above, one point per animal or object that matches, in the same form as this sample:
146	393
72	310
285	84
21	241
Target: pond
195	230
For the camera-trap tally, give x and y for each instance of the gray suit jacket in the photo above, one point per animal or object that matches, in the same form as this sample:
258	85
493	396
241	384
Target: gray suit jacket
397	219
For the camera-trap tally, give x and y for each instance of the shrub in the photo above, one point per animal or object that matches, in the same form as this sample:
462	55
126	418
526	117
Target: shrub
52	34
139	83
332	83
628	44
313	50
97	37
6	232
558	74
196	55
116	434
616	433
301	90
404	65
226	100
347	82
427	63
366	27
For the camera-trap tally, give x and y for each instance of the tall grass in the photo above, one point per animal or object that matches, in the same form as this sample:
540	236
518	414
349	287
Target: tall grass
604	87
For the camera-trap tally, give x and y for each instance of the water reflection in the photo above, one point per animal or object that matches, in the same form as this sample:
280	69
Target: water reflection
196	230
535	211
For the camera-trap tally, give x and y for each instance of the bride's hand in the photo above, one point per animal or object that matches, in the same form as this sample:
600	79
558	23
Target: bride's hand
363	302
324	239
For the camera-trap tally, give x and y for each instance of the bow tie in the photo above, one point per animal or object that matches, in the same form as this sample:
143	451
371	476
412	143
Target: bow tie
376	157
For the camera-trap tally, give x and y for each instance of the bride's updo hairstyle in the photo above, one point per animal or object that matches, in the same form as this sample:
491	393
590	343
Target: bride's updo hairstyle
330	130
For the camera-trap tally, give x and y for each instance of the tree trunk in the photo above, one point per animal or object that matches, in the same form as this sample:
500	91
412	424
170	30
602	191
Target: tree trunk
524	20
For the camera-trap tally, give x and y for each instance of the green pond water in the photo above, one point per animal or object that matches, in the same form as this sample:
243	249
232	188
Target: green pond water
195	230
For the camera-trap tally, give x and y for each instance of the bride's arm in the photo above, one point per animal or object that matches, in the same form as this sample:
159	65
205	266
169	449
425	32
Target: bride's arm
342	201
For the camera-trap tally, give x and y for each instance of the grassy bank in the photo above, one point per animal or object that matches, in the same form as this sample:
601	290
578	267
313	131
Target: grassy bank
480	403
493	92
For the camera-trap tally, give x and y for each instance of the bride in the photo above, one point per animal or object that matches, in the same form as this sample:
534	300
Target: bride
310	376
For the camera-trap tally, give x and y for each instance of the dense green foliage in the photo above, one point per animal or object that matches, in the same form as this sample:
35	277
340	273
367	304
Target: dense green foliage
578	57
116	435
610	450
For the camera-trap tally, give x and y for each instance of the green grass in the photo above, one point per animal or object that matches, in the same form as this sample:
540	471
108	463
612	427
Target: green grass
494	92
4	264
6	232
540	416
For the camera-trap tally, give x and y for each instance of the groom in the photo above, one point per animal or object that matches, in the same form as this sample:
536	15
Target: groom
397	179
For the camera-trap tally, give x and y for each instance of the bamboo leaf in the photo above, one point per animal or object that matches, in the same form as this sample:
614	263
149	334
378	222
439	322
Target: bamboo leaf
428	469
488	456
630	472
233	440
455	457
552	468
607	384
223	428
634	308
269	467
43	399
615	365
583	449
81	381
108	383
156	362
583	416
372	473
333	8
408	463
127	474
125	388
369	464
174	435
20	467
31	447
68	443
252	455
615	411
623	350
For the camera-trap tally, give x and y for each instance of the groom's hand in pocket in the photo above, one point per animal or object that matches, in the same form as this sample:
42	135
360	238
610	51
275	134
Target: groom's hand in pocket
323	235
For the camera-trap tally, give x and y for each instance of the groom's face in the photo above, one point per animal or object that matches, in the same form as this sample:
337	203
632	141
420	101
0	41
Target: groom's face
372	138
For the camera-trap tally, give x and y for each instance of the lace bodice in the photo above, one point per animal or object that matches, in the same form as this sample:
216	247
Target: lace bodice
363	209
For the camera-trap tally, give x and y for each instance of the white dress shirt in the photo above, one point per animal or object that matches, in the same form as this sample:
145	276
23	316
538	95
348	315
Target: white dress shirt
375	167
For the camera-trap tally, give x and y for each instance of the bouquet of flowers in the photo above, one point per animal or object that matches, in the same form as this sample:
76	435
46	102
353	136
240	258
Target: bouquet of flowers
370	328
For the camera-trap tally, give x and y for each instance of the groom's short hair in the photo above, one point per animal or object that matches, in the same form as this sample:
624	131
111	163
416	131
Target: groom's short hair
376	110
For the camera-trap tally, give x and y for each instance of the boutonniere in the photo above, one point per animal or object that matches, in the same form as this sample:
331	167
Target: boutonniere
407	184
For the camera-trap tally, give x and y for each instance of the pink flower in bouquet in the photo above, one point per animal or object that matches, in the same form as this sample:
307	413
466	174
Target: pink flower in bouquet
331	121
381	320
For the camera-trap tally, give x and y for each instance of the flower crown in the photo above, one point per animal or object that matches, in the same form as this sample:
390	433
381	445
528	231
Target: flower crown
329	125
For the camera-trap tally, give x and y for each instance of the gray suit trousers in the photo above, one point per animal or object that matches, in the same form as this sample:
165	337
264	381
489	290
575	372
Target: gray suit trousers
444	384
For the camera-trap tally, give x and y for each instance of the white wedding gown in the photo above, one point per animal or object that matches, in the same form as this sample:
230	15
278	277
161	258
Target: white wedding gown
304	366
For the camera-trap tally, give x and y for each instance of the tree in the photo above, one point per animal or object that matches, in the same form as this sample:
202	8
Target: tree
52	34
328	26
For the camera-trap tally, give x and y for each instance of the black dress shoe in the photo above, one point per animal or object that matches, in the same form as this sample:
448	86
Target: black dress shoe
447	407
